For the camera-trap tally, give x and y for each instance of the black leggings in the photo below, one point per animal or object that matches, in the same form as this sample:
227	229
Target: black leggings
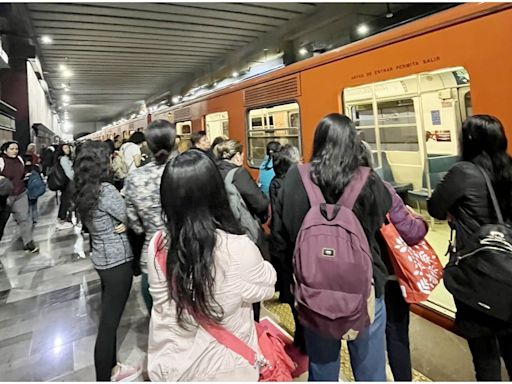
65	202
486	352
116	283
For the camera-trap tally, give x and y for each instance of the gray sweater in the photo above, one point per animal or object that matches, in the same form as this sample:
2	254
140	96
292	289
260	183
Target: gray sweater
109	249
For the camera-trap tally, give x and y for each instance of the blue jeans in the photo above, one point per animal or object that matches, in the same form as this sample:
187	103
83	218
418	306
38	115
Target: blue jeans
367	352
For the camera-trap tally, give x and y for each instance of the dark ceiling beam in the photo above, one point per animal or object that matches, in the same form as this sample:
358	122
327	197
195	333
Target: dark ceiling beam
183	21
138	29
146	23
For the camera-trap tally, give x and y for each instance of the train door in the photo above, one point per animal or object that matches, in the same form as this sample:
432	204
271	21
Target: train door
216	124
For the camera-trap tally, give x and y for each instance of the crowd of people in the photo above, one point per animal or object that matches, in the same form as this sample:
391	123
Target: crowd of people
211	243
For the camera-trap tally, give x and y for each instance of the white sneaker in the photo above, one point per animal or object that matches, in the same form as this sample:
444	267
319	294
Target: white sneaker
64	225
122	372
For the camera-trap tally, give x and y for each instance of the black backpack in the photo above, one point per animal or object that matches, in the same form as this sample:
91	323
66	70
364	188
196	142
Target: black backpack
480	275
57	179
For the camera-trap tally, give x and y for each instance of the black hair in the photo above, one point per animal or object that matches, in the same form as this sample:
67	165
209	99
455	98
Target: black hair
161	138
110	144
7	144
365	155
287	156
196	137
137	138
60	151
216	141
92	167
335	154
195	205
484	143
272	147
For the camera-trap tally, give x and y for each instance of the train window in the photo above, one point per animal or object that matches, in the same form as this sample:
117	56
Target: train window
278	123
184	130
397	123
216	124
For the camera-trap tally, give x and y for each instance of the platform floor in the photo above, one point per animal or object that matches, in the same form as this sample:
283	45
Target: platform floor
49	305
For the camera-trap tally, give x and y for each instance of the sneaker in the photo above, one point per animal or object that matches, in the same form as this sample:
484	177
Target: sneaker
122	372
31	247
64	225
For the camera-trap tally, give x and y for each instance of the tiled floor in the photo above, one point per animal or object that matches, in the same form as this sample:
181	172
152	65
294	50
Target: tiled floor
49	305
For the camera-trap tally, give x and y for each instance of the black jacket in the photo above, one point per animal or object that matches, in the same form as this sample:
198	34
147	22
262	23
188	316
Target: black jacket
256	201
463	194
370	208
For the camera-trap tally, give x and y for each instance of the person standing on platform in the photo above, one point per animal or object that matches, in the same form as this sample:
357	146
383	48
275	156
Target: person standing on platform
102	210
12	167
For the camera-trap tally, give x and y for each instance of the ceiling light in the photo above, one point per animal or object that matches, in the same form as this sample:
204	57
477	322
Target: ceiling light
235	74
176	99
67	126
66	98
62	67
303	51
67	73
363	29
45	39
65	104
389	14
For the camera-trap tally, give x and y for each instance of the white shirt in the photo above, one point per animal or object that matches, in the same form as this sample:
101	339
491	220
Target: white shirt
129	151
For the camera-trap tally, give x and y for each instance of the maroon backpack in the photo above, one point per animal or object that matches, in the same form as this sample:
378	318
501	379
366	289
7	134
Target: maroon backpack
332	262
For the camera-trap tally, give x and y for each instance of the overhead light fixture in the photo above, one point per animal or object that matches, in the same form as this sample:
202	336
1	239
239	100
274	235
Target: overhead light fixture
66	98
62	67
67	73
176	99
303	51
45	39
362	29
67	126
235	74
65	104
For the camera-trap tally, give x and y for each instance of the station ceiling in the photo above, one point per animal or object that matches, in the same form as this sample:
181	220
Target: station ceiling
113	57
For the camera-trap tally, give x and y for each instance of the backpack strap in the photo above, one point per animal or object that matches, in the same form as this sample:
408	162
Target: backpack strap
492	194
354	187
230	176
2	164
313	191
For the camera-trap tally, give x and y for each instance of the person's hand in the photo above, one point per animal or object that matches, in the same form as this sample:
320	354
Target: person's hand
121	228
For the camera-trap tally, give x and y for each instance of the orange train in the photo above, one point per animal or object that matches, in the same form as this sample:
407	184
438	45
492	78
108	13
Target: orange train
407	89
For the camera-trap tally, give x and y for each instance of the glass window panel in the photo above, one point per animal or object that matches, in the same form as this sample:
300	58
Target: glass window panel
278	123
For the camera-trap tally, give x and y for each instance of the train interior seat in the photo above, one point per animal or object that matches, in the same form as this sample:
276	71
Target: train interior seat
386	173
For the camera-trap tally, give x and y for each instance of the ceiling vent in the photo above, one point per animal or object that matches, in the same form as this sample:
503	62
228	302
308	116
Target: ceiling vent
285	89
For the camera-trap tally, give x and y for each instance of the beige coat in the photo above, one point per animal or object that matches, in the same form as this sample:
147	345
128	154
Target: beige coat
177	354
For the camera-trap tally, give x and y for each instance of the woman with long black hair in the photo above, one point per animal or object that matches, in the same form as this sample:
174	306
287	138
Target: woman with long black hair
462	198
335	160
212	272
102	210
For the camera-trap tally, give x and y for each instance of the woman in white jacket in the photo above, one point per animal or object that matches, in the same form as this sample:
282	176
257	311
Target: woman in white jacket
217	273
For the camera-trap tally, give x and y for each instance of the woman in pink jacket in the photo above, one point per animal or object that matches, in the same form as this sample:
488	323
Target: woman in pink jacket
211	271
412	228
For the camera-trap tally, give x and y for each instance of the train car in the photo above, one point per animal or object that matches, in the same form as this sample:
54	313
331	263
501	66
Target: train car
407	89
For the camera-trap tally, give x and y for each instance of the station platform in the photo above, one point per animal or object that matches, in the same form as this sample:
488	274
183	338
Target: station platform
49	309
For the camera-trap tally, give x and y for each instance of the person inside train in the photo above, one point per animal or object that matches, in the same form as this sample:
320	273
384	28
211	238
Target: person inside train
412	228
200	141
334	162
266	168
202	270
102	210
142	195
12	167
287	156
462	197
65	161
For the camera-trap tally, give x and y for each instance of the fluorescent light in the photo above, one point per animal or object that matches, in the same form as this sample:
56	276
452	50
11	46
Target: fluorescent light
235	74
303	51
62	67
45	39
176	99
67	73
66	98
363	29
65	104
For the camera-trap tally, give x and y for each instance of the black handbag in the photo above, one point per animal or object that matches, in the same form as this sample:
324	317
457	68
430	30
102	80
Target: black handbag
480	275
57	179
